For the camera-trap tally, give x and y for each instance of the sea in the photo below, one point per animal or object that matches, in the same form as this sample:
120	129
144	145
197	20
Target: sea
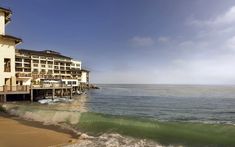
187	103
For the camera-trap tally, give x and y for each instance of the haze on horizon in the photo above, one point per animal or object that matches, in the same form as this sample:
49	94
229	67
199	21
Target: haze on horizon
134	41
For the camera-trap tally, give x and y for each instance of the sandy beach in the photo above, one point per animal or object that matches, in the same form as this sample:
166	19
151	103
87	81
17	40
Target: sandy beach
17	132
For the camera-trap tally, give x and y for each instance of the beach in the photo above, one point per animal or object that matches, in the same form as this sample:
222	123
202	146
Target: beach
17	132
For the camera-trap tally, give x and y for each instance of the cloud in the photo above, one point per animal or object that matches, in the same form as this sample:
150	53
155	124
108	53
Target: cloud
216	70
227	18
142	41
205	54
231	43
163	39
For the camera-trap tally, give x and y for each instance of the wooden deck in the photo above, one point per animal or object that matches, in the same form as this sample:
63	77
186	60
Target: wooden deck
10	90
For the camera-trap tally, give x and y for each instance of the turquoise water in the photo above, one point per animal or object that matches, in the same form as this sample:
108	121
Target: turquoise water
188	115
165	133
187	103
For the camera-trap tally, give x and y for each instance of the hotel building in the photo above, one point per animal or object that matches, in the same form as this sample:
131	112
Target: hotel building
21	70
38	66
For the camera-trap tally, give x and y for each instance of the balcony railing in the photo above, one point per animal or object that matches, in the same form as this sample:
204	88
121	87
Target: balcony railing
14	89
19	75
51	85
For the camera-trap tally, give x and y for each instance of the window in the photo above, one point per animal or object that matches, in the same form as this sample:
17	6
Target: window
42	57
18	59
19	69
43	65
7	65
35	65
56	71
27	70
35	61
35	70
26	60
49	62
43	71
50	58
43	62
18	64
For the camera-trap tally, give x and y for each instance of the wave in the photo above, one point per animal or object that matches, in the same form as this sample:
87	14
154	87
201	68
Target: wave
164	132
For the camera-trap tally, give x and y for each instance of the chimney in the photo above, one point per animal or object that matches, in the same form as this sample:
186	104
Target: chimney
2	23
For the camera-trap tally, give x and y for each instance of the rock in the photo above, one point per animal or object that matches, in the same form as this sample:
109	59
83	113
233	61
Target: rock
112	142
72	141
83	136
115	135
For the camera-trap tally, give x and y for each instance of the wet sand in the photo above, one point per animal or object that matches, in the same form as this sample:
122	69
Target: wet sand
16	132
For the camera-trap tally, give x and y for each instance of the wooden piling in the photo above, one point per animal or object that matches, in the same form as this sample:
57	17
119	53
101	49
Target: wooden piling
71	92
5	97
31	94
53	93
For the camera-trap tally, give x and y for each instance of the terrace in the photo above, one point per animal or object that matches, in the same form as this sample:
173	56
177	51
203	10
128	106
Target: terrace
19	89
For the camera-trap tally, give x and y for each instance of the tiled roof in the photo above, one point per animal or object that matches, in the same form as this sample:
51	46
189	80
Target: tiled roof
43	53
17	40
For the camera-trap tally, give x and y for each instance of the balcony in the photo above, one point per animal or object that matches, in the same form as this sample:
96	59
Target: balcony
14	89
18	60
23	56
35	61
43	58
27	66
27	61
49	59
23	75
35	57
18	65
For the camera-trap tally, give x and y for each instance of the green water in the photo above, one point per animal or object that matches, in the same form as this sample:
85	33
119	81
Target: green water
166	133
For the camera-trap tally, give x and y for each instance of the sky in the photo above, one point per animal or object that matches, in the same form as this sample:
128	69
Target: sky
134	41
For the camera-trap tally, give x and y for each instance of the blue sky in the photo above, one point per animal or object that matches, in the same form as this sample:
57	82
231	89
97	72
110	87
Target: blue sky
134	41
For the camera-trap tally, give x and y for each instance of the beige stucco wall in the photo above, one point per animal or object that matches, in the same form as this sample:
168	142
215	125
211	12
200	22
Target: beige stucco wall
2	23
7	50
75	64
84	77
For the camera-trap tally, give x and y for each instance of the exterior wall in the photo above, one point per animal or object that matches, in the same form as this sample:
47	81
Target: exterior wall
70	82
64	69
76	64
7	50
2	23
24	81
59	67
84	77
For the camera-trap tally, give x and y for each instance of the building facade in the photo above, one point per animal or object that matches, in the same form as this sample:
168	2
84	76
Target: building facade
7	51
35	67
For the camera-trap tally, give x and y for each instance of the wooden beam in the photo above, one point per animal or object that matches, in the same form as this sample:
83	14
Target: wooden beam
31	93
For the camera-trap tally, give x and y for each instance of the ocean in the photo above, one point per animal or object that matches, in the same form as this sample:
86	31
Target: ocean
186	103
